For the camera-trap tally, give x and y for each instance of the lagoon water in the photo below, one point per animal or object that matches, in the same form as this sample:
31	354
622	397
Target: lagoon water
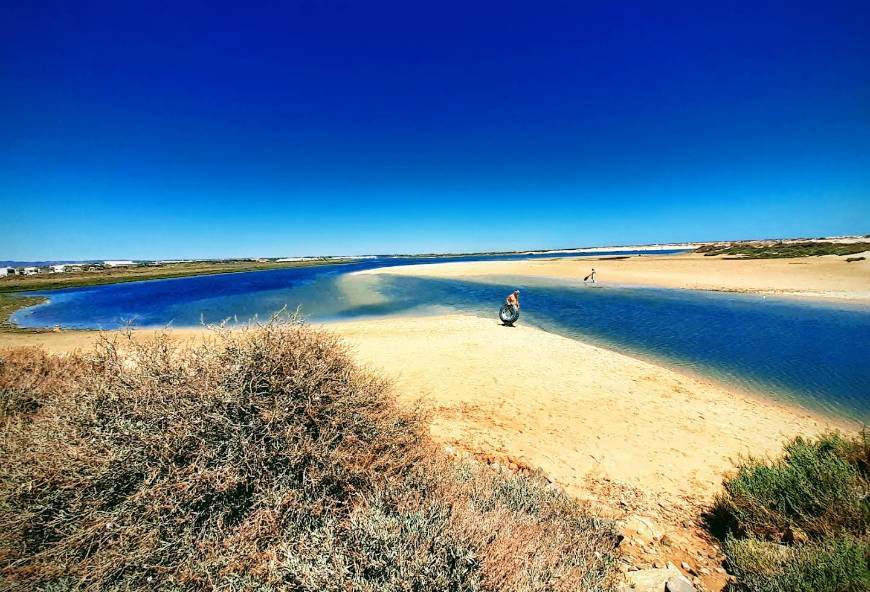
814	354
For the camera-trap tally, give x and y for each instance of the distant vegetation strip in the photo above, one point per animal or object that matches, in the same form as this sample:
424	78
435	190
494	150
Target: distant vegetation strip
135	273
783	250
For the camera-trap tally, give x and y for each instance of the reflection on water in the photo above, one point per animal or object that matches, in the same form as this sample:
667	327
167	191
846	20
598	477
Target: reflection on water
816	354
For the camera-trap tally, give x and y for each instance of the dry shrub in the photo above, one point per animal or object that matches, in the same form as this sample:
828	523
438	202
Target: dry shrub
27	374
534	536
262	459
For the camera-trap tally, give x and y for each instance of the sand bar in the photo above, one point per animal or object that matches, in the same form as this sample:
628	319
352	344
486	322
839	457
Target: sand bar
573	409
827	277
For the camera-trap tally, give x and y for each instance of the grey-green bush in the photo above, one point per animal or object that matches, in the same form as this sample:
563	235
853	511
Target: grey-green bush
800	522
817	488
837	564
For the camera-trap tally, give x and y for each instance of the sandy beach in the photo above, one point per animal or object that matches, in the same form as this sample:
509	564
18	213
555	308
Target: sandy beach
827	277
575	410
643	444
297	300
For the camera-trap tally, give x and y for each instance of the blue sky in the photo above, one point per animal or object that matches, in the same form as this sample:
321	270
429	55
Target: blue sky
163	130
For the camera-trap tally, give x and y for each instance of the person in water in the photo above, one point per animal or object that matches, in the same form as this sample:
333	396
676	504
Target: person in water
513	299
591	276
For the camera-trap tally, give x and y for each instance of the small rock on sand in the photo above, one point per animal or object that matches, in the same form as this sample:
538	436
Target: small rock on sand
642	529
658	580
678	583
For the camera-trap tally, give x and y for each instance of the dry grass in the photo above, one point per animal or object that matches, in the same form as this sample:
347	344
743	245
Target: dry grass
262	460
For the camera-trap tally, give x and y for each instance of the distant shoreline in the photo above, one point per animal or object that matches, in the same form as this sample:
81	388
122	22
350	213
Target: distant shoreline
118	275
821	279
16	291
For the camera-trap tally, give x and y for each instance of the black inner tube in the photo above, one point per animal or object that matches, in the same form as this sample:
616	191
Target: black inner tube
508	314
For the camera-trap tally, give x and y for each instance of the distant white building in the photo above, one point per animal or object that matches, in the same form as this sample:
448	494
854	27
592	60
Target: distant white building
121	263
29	271
57	269
4	271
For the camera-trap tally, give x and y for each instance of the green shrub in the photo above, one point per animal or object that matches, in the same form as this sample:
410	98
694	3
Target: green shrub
833	565
800	522
815	489
262	460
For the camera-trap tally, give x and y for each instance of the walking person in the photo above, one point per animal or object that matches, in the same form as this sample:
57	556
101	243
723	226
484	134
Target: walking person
591	276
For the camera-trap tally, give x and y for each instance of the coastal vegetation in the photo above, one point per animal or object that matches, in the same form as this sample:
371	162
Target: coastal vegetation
260	459
9	303
149	271
782	250
799	522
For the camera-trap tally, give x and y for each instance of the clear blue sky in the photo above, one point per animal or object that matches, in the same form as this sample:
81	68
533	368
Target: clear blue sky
161	130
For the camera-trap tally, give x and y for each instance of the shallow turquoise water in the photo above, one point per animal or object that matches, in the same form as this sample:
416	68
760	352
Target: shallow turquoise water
818	355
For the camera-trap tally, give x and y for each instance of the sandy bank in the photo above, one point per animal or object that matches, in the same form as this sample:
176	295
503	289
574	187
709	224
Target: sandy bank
572	409
828	277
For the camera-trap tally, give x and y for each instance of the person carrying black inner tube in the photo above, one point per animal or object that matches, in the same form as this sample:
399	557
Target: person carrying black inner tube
510	310
513	299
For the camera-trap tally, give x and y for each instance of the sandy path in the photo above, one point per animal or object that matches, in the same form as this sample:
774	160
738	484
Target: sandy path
815	277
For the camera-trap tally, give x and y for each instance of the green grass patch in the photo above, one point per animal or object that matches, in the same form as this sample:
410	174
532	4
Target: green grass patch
818	488
836	564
